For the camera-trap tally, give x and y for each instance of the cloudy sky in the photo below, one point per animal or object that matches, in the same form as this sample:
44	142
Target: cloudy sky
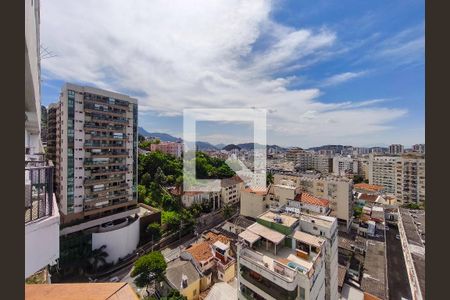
328	72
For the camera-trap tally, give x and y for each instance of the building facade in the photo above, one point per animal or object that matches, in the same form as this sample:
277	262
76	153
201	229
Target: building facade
396	149
96	153
343	166
42	218
172	148
402	176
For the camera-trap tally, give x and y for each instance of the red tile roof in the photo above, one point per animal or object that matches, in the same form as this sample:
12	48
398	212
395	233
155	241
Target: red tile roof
201	251
368	187
366	197
310	199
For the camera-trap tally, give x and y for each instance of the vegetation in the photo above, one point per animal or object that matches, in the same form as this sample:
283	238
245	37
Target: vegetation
413	206
154	229
173	295
145	144
158	171
358	179
269	178
148	267
357	212
227	211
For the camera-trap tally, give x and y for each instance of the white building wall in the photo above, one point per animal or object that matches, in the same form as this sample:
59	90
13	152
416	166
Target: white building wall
119	242
42	242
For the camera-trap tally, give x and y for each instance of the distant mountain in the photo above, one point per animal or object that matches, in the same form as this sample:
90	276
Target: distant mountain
251	146
231	147
164	137
205	146
220	146
335	148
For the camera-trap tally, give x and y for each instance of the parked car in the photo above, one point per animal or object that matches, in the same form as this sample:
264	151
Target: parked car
114	279
387	228
397	236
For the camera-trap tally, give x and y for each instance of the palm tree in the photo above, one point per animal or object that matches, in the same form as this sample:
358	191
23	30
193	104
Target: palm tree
98	257
227	211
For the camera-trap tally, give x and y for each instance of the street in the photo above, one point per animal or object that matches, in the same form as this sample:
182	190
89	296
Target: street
397	274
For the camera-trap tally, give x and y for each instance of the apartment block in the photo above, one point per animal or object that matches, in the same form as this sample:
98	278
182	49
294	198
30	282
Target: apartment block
172	148
304	160
396	149
337	190
410	179
326	227
343	166
402	176
419	148
382	171
279	260
96	167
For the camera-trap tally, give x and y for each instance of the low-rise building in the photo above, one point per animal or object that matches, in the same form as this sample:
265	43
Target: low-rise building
172	148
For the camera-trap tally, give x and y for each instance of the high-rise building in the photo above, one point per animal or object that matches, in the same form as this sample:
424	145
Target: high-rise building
410	179
396	149
382	171
420	148
44	124
96	154
343	166
172	148
279	258
402	176
304	160
41	211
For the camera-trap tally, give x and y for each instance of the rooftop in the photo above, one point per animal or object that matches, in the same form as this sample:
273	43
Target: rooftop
283	219
324	221
76	291
212	237
368	187
178	268
310	199
200	251
256	190
309	239
231	181
267	233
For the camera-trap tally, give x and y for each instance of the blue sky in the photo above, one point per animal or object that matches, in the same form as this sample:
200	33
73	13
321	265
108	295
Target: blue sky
328	72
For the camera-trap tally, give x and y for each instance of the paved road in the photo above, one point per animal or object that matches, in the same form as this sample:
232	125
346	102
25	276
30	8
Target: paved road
397	274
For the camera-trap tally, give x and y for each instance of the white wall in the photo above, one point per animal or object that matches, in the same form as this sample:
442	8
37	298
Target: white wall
42	242
119	242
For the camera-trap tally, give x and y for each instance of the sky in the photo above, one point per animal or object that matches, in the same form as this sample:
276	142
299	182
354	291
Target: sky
328	72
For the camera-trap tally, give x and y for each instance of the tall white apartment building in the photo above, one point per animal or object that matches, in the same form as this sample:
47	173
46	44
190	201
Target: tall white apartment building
343	165
382	171
326	227
96	167
402	176
396	149
410	179
337	190
41	211
98	153
419	148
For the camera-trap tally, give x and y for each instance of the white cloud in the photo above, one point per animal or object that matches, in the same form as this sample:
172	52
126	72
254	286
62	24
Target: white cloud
341	78
187	54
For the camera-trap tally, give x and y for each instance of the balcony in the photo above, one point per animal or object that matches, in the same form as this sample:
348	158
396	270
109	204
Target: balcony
41	217
252	279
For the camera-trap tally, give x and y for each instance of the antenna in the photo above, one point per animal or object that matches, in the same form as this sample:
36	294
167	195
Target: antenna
45	53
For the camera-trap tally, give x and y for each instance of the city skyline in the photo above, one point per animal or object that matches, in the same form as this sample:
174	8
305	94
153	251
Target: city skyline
321	83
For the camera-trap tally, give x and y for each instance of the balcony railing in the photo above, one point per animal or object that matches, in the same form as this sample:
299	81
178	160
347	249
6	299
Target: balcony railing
38	190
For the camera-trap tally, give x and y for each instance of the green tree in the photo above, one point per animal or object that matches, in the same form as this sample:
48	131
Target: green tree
147	266
269	178
98	257
357	212
358	179
142	193
171	220
154	229
146	180
227	211
160	177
